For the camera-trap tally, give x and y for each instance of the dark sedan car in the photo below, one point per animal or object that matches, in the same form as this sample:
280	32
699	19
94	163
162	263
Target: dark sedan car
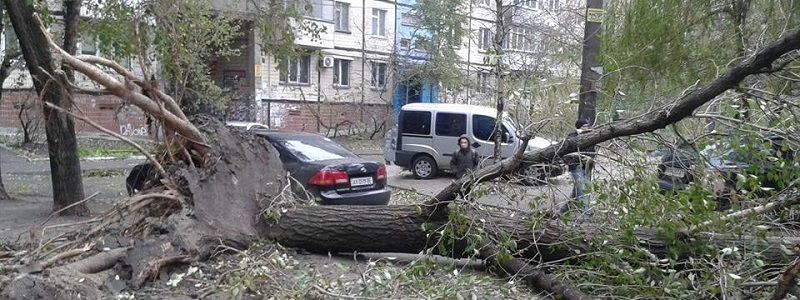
677	168
327	170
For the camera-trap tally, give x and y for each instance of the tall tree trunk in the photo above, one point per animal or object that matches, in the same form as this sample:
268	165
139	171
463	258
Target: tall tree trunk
72	15
498	39
590	68
3	194
4	70
65	168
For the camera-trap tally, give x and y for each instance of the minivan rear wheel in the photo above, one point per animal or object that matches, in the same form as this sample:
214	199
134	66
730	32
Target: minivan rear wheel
533	174
424	167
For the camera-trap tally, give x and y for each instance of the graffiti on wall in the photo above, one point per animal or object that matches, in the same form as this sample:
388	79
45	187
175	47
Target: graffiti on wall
131	130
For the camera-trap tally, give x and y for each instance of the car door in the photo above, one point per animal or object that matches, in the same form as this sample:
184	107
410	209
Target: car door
448	128
483	138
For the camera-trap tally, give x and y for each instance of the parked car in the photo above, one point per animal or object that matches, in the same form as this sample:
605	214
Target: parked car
678	167
427	133
246	125
328	171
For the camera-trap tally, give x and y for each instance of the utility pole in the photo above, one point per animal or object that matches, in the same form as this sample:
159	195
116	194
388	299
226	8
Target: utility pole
590	68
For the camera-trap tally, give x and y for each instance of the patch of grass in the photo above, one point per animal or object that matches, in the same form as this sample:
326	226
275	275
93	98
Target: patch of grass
103	173
105	152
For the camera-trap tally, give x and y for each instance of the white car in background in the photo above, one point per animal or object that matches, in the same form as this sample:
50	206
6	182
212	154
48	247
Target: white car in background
246	125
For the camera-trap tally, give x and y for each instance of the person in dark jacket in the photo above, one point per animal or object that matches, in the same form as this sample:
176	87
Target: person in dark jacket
465	159
580	166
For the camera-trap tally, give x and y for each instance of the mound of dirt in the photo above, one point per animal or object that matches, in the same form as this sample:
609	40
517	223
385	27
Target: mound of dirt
221	203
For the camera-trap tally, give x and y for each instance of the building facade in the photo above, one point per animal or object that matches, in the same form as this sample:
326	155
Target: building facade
409	53
340	78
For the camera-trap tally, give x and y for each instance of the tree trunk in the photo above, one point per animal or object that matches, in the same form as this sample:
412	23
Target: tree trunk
4	70
498	39
3	194
409	229
590	72
61	141
72	13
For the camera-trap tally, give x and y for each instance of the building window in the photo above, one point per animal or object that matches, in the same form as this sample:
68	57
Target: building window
484	39
341	72
419	44
405	43
520	39
342	17
483	82
409	19
528	3
485	2
378	78
554	4
296	70
378	22
88	44
319	9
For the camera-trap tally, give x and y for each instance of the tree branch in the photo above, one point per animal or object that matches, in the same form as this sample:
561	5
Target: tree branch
651	121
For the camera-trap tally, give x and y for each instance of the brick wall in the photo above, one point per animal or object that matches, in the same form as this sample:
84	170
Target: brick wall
299	116
105	110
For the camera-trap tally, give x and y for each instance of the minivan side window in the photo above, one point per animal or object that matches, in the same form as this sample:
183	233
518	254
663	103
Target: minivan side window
483	127
448	124
416	122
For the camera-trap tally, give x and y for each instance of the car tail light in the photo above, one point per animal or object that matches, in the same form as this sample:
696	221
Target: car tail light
328	177
381	173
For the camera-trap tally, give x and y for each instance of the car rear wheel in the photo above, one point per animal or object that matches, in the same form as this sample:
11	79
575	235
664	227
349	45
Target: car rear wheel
533	174
424	167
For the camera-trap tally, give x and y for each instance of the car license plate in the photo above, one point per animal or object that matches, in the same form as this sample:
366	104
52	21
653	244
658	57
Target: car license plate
674	172
360	181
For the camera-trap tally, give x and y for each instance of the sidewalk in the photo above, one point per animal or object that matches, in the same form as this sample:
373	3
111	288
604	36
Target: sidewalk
15	164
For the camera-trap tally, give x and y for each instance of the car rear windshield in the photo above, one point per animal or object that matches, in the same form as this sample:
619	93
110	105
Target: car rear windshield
315	149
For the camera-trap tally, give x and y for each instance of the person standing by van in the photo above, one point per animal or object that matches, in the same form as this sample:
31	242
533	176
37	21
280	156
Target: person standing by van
580	166
464	159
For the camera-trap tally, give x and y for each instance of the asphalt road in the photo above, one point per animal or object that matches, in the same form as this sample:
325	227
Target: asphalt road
499	192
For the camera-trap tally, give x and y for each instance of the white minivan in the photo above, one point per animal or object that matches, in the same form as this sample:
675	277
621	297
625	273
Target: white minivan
426	137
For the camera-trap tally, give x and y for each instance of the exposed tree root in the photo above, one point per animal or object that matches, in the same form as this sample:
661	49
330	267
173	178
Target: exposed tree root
99	262
154	267
65	255
787	281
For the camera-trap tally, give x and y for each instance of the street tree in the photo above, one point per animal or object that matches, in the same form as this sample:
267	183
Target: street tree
59	127
10	59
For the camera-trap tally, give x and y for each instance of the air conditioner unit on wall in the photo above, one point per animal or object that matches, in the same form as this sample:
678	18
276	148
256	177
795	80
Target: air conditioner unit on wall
327	62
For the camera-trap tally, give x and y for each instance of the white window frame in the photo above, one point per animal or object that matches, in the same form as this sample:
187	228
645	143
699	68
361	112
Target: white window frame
405	43
485	2
84	43
341	16
378	22
299	64
341	70
484	79
484	38
378	78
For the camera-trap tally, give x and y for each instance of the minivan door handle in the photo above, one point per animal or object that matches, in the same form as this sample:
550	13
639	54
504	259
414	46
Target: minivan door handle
476	145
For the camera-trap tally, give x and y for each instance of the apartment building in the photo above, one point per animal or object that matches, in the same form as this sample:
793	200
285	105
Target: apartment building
410	86
531	28
341	77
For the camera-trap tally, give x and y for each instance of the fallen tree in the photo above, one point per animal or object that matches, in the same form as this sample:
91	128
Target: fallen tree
237	176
